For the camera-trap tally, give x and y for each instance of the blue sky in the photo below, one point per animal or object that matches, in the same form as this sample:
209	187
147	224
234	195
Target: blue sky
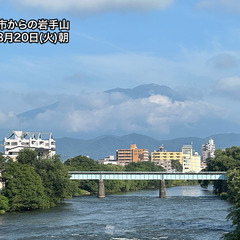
191	46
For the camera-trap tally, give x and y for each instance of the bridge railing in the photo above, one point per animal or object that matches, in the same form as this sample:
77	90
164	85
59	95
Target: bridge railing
95	175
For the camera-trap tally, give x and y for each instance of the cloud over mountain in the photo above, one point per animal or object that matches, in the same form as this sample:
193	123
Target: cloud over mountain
113	112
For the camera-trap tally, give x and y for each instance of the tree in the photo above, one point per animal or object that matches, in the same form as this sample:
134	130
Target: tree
229	160
233	184
27	156
234	216
176	165
2	162
224	160
55	177
4	205
83	163
144	166
23	187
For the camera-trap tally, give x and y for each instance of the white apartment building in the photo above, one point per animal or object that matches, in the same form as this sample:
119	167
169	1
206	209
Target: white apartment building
42	143
191	162
208	150
108	160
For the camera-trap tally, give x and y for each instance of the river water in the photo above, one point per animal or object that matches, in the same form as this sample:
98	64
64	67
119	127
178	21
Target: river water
187	213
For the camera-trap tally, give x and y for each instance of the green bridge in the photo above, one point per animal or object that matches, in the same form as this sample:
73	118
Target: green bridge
161	176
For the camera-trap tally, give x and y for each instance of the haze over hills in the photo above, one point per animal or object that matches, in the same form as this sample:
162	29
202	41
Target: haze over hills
103	146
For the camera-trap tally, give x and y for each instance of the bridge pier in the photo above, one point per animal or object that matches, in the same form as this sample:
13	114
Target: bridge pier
101	189
162	189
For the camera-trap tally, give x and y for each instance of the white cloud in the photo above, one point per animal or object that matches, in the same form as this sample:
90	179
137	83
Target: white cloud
93	6
103	113
230	84
229	87
8	120
226	5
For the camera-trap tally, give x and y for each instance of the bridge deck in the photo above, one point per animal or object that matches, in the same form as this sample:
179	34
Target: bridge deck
92	175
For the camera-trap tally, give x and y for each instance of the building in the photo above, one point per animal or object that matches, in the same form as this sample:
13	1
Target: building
42	143
163	158
1	183
166	164
191	162
125	156
208	150
108	160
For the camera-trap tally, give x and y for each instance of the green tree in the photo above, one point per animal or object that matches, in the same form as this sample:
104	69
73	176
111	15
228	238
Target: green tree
224	160
234	216
144	166
2	162
233	184
228	160
27	156
83	163
4	205
23	187
234	196
176	165
56	179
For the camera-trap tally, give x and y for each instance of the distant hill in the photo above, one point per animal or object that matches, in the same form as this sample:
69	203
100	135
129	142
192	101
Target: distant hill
35	112
147	90
100	147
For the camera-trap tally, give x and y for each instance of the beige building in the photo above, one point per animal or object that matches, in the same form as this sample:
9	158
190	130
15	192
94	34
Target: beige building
125	156
42	143
163	158
191	162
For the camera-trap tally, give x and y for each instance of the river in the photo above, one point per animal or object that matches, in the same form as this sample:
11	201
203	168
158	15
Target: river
187	213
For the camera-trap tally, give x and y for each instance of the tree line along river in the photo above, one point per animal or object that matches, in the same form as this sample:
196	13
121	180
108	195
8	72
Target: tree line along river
187	213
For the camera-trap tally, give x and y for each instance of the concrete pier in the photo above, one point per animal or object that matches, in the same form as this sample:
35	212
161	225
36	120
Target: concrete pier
101	189
162	189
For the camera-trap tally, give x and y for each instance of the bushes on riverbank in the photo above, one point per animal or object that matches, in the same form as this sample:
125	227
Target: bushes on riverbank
228	160
83	163
32	183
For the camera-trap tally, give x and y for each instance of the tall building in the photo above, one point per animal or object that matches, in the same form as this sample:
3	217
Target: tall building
125	156
208	150
191	162
163	158
42	143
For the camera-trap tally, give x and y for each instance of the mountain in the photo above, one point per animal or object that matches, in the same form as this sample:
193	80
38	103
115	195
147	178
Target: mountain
148	90
141	91
36	111
100	147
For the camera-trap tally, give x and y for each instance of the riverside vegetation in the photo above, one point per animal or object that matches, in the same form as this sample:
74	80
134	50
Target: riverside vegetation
228	160
32	183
